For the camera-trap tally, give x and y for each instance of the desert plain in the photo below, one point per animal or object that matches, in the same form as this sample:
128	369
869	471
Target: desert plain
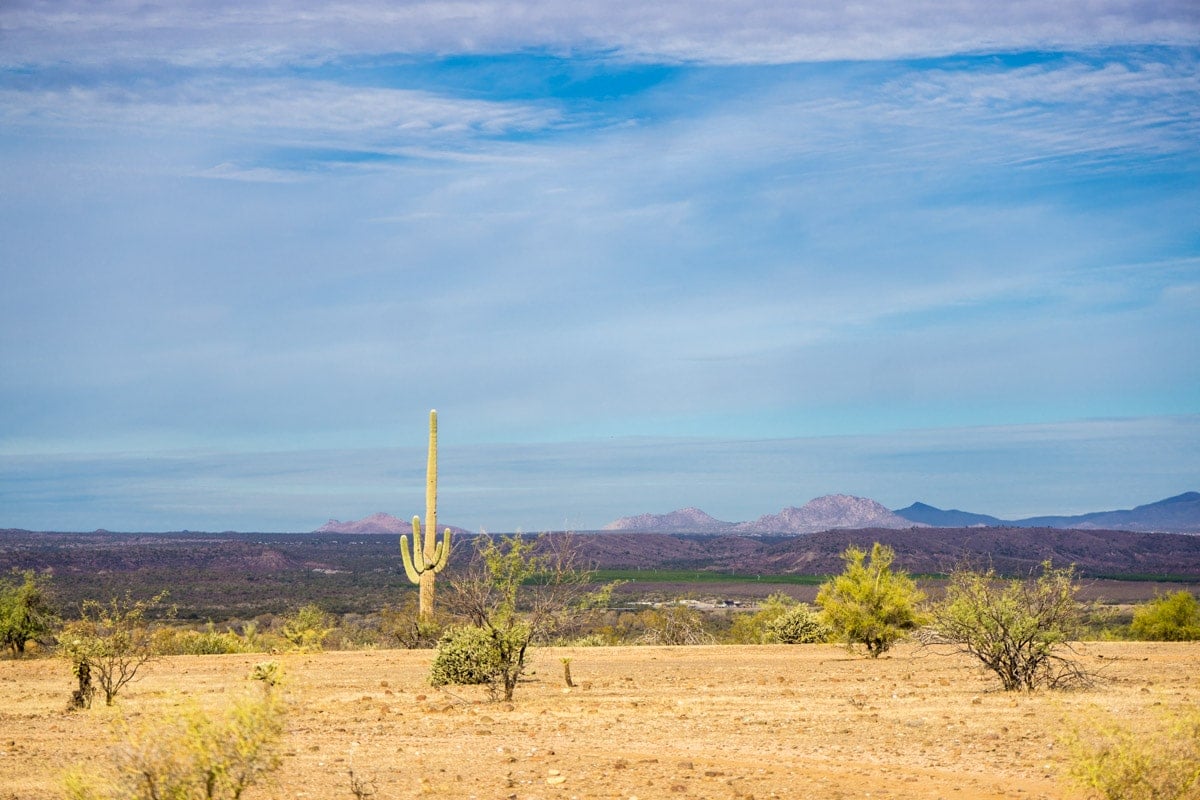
812	721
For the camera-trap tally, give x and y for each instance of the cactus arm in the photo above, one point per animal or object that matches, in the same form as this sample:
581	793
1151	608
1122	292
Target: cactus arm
409	569
441	556
418	551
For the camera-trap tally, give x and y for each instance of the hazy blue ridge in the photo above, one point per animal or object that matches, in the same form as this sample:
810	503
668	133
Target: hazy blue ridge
1178	513
939	518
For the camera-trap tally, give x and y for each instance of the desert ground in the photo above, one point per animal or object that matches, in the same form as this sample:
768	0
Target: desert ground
783	721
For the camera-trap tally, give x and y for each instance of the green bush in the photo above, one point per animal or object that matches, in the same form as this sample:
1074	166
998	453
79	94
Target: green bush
1115	761
26	611
307	629
208	642
270	673
466	655
752	628
797	625
869	603
1169	618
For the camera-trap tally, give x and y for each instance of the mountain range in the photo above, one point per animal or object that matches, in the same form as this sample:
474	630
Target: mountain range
377	523
1179	514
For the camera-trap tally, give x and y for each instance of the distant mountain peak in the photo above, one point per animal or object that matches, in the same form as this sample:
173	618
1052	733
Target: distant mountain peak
378	522
925	514
684	520
828	512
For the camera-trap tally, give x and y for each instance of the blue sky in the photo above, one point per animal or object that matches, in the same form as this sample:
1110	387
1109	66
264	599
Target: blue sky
725	255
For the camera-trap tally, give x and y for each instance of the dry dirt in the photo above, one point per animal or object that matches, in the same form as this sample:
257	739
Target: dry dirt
643	722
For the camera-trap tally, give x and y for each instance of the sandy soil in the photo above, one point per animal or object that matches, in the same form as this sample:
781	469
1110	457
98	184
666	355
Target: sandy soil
646	722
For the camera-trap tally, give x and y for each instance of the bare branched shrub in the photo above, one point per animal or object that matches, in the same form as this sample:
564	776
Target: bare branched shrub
674	624
362	788
1020	629
401	623
113	640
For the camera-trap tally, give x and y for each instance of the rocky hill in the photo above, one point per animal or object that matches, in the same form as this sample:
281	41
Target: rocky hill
375	523
378	523
830	512
685	520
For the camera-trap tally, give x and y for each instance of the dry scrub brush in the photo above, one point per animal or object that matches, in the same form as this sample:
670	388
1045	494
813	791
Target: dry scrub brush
1155	759
192	755
112	641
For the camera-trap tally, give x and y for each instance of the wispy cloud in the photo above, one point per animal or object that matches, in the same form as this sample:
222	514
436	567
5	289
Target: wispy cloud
288	112
205	33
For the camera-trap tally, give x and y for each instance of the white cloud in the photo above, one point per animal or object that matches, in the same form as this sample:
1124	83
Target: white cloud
292	112
715	31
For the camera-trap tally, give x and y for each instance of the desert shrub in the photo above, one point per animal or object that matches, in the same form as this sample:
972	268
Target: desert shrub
269	673
355	632
110	642
594	639
1168	618
869	604
190	755
252	639
1018	628
26	611
751	628
674	624
520	591
466	656
1116	761
797	625
307	628
402	624
172	641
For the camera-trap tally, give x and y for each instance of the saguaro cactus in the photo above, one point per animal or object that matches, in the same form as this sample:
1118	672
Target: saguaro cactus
428	556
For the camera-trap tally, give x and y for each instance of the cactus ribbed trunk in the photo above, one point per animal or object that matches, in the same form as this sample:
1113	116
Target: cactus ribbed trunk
428	577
